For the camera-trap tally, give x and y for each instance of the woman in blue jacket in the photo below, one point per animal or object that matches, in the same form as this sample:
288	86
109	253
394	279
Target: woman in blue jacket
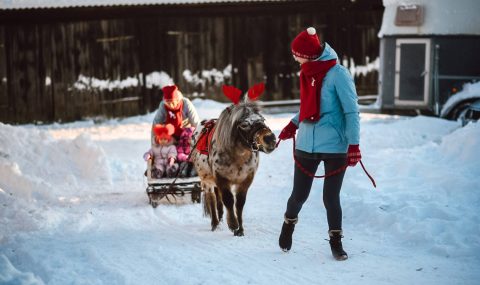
328	130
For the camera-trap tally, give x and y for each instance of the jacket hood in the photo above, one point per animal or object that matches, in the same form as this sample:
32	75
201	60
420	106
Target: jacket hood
328	53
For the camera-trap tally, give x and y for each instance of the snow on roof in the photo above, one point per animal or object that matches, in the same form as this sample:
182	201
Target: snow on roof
441	17
27	4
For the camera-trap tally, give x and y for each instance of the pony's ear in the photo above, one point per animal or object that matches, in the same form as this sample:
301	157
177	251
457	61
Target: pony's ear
255	91
232	93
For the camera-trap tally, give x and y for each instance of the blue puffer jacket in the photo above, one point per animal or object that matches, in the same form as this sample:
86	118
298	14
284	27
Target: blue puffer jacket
339	124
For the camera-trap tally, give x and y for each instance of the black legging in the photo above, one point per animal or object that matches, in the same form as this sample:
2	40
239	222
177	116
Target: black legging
302	184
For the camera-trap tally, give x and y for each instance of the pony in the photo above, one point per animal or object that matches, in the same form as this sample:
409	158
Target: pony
227	170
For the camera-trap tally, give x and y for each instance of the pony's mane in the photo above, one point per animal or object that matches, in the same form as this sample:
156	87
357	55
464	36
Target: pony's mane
226	135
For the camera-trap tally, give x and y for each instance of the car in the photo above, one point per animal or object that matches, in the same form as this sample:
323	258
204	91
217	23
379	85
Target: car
470	113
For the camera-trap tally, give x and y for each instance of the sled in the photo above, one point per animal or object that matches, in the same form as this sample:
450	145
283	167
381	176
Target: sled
158	189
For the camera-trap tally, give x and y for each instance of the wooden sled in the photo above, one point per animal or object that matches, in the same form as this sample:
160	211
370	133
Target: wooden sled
170	188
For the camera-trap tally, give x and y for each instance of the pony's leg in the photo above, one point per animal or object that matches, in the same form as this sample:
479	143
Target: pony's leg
210	206
228	201
213	210
219	203
240	198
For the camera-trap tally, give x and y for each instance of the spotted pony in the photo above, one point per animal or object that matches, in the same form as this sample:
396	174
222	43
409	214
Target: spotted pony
228	169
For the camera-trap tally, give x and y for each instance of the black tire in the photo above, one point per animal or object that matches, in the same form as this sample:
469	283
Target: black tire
459	110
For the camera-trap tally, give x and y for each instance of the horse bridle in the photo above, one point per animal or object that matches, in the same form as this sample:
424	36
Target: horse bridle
252	142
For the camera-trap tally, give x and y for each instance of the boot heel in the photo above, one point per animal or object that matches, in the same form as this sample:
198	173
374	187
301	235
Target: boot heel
336	245
285	239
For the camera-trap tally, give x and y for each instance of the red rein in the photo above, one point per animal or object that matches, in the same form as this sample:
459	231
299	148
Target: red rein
331	173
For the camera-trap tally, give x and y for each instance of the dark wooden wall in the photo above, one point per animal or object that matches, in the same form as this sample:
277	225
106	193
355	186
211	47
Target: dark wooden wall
43	52
4	100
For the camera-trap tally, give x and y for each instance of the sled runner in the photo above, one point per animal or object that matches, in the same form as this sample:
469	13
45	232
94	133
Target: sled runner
168	188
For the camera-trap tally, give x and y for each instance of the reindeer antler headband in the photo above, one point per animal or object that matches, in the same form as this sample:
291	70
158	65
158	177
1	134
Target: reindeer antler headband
234	93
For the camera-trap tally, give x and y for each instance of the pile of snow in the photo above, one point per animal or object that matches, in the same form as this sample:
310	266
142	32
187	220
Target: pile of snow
212	77
466	154
10	275
158	79
36	165
37	171
426	169
357	70
155	79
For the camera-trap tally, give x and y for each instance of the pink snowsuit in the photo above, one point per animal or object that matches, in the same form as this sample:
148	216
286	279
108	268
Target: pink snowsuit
183	146
161	155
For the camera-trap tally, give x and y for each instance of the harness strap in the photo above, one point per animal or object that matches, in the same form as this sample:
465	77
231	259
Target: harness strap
331	173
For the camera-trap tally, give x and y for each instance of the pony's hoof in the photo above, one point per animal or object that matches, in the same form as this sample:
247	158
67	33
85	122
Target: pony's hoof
232	222
214	227
238	233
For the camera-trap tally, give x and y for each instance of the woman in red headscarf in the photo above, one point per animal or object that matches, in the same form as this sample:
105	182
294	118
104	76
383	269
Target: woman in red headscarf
177	110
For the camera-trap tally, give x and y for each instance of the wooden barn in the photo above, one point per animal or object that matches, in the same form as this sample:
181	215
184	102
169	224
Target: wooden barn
62	61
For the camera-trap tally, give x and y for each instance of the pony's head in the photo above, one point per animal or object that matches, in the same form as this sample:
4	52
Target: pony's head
242	122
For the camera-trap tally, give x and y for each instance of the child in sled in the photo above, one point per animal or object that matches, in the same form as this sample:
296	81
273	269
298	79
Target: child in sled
163	152
183	151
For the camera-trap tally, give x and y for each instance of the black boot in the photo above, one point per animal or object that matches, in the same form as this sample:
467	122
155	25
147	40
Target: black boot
285	239
336	244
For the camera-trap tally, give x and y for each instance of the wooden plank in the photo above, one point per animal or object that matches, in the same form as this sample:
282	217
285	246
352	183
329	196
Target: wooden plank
60	68
3	78
24	85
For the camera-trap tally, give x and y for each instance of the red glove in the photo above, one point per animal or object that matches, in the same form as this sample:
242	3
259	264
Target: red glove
288	132
353	155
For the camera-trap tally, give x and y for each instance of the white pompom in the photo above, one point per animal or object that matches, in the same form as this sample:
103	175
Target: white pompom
311	31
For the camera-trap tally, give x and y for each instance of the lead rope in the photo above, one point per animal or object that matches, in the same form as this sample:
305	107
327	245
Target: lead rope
331	173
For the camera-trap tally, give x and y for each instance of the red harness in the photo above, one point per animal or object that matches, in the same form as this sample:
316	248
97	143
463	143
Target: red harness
206	135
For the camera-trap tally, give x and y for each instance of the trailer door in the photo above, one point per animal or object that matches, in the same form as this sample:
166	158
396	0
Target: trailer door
412	72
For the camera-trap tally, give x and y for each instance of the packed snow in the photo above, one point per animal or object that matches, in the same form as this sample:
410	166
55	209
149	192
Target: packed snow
73	210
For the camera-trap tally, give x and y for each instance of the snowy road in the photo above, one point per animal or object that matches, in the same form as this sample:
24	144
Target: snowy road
73	211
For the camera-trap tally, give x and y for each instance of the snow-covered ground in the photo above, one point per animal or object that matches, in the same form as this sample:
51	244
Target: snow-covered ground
73	210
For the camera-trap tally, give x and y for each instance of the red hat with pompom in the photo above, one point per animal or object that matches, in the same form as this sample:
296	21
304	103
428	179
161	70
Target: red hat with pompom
307	44
170	92
163	131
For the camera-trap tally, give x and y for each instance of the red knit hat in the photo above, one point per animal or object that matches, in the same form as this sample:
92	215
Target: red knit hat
170	92
163	131
307	44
